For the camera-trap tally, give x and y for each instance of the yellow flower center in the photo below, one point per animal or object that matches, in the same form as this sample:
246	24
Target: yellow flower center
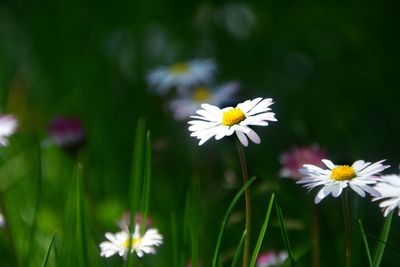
232	116
134	242
179	68
201	94
342	173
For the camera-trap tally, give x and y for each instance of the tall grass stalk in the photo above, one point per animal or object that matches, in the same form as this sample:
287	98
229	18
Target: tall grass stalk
262	232
285	235
238	250
136	176
46	257
81	242
364	237
380	249
226	218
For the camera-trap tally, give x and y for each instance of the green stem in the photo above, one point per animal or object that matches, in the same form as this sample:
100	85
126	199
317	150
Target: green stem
246	251
346	217
8	230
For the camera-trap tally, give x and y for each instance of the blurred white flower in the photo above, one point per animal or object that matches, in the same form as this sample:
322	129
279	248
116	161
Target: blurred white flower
389	189
2	221
358	176
119	243
188	103
238	19
271	258
8	126
217	122
182	75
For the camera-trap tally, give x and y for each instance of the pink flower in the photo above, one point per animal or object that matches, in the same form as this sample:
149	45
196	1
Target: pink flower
271	258
125	220
294	159
67	132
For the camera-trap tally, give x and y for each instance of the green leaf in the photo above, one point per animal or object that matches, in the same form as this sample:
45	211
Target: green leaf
146	182
226	218
80	220
46	257
262	232
285	234
238	250
380	249
364	237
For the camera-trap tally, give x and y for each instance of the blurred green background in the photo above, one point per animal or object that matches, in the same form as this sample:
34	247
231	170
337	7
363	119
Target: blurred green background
330	66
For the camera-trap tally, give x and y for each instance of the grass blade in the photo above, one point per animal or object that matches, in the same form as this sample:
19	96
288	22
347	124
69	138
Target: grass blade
262	232
80	220
380	249
46	257
285	235
238	250
137	167
364	237
135	195
226	218
146	182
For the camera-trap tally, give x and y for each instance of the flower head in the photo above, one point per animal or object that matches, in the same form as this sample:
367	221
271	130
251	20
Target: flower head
217	122
121	241
67	132
187	104
8	126
182	75
294	159
389	189
271	258
358	176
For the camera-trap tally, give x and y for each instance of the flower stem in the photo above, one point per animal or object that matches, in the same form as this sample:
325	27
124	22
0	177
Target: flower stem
243	164
346	217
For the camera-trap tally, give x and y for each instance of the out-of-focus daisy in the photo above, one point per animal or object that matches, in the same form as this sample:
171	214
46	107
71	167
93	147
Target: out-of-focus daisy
217	122
358	176
119	243
67	132
389	189
294	159
8	126
271	258
2	221
182	75
187	104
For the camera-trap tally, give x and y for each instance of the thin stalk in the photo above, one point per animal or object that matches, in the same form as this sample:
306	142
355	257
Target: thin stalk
346	217
243	165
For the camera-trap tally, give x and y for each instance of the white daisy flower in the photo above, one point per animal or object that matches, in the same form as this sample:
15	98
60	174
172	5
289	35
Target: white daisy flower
187	104
8	126
217	122
389	189
182	75
119	243
358	176
145	244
